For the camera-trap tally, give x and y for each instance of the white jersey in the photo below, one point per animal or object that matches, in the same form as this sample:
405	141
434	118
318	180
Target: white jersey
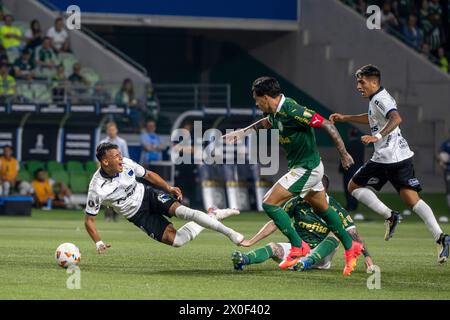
392	148
122	193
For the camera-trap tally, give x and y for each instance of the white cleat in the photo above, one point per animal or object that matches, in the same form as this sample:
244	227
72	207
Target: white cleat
224	213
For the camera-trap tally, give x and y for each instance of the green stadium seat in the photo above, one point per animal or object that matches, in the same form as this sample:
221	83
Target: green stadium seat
67	60
91	167
41	93
33	165
24	90
90	75
24	175
74	166
53	166
60	176
79	182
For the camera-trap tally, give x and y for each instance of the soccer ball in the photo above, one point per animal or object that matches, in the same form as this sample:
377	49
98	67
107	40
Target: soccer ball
67	254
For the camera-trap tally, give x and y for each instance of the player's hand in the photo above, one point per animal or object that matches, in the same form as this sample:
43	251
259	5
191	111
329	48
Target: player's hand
336	117
101	247
176	192
246	243
369	264
347	161
233	137
368	139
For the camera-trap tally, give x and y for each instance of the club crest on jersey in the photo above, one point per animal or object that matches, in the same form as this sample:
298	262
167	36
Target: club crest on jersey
163	198
130	173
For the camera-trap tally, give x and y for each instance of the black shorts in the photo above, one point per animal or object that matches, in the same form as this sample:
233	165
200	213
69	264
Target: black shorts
400	175
150	216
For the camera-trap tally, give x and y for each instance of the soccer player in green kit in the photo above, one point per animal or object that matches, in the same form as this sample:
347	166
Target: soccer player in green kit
296	125
311	228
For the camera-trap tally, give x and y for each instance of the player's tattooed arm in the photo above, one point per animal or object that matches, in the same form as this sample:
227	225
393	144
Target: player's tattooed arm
234	136
394	121
265	231
346	158
356	237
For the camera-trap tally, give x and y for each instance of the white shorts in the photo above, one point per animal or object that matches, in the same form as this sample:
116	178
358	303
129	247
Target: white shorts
302	181
323	264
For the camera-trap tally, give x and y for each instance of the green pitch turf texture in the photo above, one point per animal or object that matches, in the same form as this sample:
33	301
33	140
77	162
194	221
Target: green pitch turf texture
137	267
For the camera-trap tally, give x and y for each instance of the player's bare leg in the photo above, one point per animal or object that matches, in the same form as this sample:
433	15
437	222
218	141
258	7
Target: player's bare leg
204	220
353	249
272	202
412	199
370	199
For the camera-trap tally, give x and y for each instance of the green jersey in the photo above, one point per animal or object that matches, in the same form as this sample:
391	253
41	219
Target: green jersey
296	133
309	226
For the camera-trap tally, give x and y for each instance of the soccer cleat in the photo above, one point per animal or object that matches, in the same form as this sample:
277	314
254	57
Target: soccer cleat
303	265
223	213
239	260
294	256
391	224
444	241
351	257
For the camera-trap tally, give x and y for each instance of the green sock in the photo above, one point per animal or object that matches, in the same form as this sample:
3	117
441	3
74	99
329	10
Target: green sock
333	221
260	255
325	248
283	223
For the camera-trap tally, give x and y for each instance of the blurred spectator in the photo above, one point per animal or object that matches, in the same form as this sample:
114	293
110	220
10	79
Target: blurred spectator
33	36
403	9
3	55
76	77
443	61
7	83
443	157
151	143
48	193
101	95
388	19
9	168
426	51
112	137
412	34
24	66
59	36
152	103
59	84
10	35
356	150
45	58
125	96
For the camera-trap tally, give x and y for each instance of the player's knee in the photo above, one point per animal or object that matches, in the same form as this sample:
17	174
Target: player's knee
352	186
277	250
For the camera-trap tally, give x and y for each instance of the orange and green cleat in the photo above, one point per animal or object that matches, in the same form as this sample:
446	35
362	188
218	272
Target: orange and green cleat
351	257
294	256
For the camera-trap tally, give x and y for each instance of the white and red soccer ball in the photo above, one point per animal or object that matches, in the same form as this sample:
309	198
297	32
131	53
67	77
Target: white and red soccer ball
67	254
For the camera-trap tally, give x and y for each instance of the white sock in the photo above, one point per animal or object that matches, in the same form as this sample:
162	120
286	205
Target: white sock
186	233
203	220
370	199
6	187
424	211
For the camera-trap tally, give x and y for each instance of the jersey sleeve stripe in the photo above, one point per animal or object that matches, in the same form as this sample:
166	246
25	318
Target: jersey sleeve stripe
387	114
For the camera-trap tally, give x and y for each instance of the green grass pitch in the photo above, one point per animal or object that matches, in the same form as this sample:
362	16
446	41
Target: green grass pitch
136	267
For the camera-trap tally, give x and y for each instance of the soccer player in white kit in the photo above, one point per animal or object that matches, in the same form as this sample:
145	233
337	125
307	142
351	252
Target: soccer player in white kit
391	161
114	184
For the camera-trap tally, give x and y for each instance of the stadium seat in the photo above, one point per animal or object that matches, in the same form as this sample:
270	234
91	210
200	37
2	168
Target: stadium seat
74	167
60	176
68	60
41	93
33	165
24	175
90	75
79	182
53	166
24	90
91	167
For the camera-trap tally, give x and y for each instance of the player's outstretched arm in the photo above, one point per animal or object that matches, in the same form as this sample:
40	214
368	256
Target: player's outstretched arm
394	121
358	118
156	179
346	158
367	257
232	137
265	231
89	223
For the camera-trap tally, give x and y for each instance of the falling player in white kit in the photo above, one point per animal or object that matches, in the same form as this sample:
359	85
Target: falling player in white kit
391	161
114	184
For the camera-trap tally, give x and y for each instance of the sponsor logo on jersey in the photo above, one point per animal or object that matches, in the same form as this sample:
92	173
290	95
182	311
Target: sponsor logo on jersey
373	181
285	140
163	198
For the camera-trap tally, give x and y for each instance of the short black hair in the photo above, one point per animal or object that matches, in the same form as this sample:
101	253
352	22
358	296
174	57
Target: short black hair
102	148
266	86
368	71
8	146
37	171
